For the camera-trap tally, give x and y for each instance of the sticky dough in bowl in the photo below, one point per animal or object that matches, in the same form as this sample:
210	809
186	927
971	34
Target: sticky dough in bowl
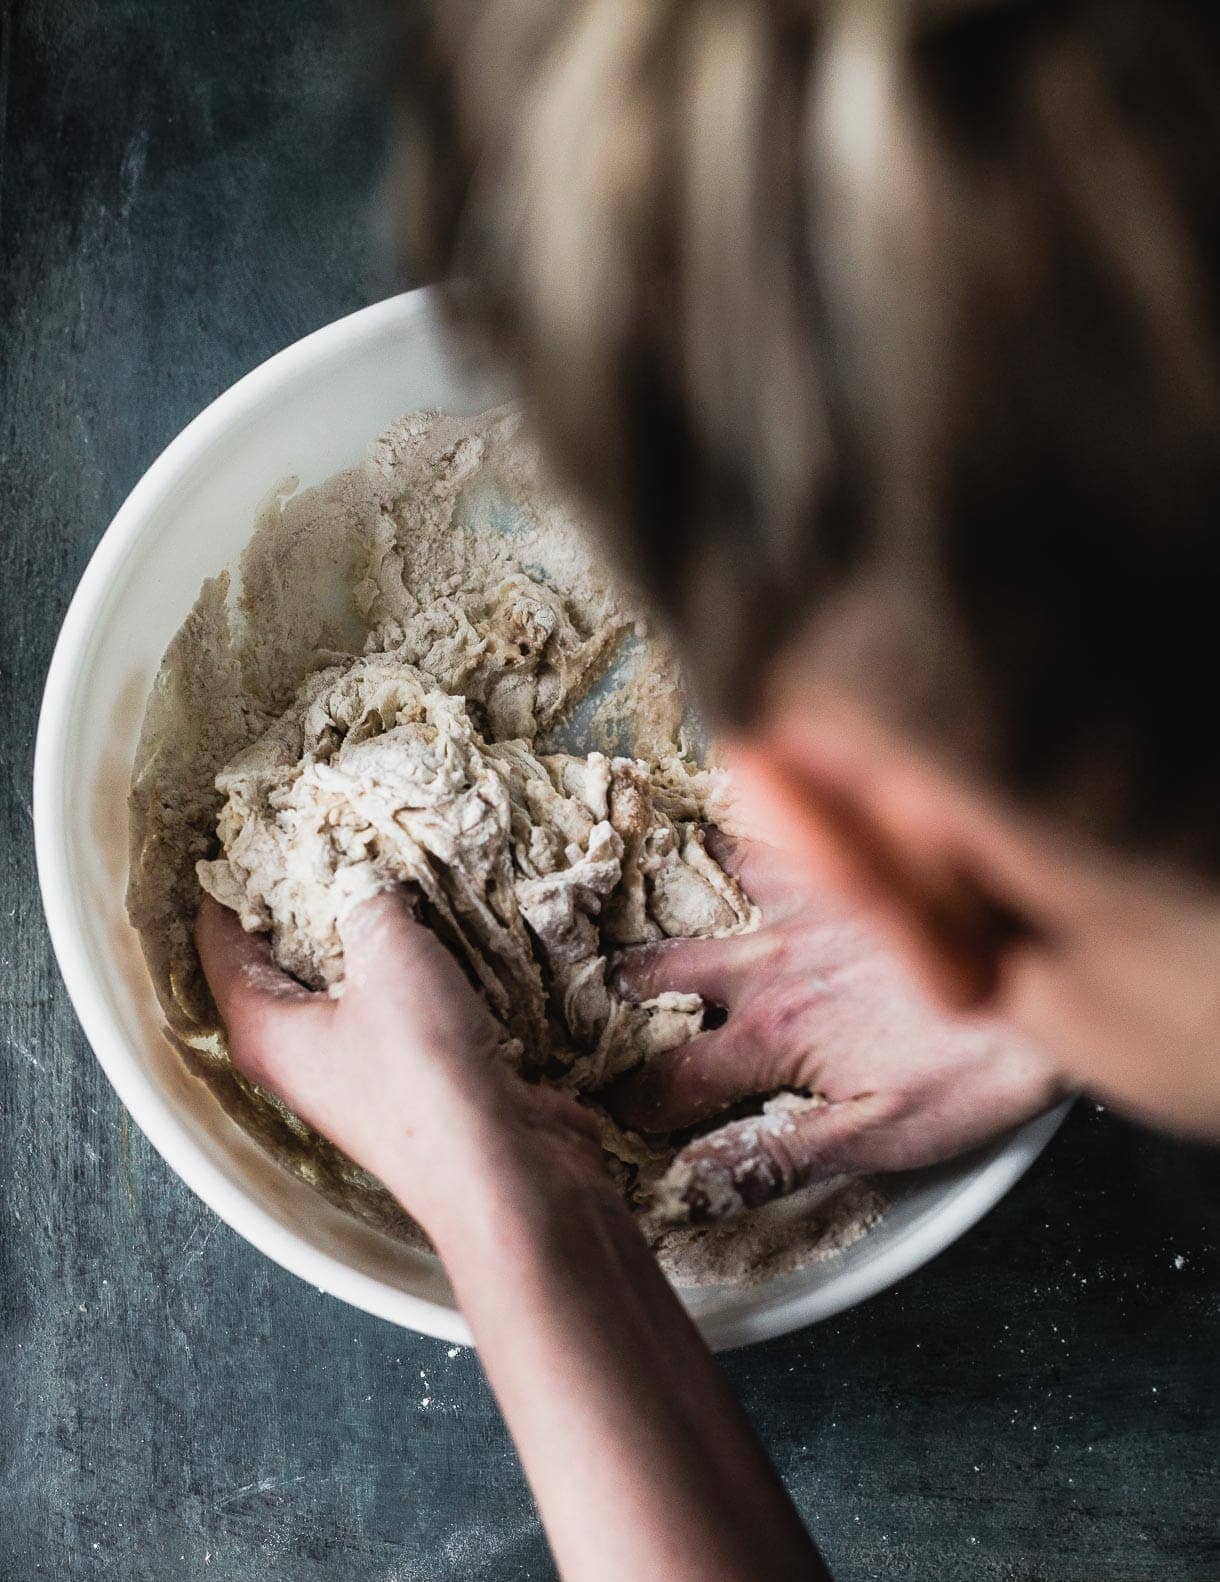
310	412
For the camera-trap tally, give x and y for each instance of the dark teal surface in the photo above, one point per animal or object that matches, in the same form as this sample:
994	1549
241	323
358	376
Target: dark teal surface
185	188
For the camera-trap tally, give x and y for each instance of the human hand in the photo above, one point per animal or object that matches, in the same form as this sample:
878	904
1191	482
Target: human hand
814	1003
401	1069
574	1321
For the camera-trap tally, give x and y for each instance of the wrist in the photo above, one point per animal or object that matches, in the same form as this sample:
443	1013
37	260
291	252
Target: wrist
507	1201
492	1186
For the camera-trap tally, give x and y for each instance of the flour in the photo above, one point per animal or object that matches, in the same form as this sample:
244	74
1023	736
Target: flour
421	673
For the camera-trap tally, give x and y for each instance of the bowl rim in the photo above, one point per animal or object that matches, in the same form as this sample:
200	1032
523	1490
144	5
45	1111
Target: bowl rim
157	1118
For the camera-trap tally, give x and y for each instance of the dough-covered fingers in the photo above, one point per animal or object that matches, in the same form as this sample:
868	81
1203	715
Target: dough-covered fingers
698	1079
750	1162
384	944
681	1086
399	979
260	1005
714	968
941	1111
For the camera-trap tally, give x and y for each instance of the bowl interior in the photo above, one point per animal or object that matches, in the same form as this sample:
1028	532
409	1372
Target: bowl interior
307	414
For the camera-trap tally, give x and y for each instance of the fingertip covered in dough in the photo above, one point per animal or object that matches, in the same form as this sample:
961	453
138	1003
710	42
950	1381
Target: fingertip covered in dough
687	1084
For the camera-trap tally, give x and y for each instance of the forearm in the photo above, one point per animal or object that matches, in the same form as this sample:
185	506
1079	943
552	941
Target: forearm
641	1460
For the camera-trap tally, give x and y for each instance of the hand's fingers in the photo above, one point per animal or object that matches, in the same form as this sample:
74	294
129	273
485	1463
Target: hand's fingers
384	943
239	967
714	968
695	1080
393	965
937	1115
388	951
751	1162
764	872
256	1000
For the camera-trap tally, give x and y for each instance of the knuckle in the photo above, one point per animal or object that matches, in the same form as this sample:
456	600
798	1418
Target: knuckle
772	1022
781	952
257	1042
751	1023
786	1017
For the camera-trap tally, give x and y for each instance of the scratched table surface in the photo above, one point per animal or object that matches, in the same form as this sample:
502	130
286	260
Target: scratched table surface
184	189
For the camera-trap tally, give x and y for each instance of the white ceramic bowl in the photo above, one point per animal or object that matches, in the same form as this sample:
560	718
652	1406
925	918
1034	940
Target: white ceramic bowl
311	411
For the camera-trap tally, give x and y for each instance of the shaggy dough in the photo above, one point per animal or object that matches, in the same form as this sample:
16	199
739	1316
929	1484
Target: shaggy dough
401	680
531	867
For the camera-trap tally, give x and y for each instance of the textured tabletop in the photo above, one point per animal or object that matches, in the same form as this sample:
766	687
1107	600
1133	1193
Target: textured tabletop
185	188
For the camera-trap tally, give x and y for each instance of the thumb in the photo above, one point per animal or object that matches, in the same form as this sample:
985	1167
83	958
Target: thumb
260	1005
400	979
794	1142
384	944
396	966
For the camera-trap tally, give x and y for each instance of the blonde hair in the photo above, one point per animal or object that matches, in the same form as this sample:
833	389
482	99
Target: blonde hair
899	317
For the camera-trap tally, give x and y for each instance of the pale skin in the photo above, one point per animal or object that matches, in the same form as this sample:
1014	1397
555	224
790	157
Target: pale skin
1017	966
640	1459
814	1003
